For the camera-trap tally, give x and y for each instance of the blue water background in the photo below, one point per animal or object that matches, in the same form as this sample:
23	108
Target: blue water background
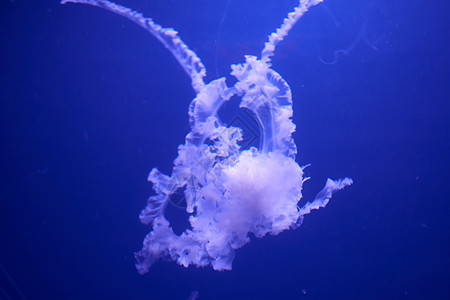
90	103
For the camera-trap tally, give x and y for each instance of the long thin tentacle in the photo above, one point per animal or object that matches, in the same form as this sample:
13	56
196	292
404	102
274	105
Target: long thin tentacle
187	58
288	23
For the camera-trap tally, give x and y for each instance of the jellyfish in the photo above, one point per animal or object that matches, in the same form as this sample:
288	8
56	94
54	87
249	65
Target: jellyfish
231	193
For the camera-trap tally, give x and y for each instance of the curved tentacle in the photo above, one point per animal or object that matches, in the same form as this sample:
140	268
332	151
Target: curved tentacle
187	58
288	23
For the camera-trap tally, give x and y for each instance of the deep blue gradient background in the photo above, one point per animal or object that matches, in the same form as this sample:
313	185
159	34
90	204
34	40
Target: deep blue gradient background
90	103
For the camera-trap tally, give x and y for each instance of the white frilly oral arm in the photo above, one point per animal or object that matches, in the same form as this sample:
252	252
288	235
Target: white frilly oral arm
288	23
324	196
187	58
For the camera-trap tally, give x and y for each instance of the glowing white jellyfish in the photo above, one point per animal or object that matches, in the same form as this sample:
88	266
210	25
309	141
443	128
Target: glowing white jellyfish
229	192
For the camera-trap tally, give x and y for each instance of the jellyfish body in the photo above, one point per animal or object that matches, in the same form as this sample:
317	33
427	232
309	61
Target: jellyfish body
230	192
